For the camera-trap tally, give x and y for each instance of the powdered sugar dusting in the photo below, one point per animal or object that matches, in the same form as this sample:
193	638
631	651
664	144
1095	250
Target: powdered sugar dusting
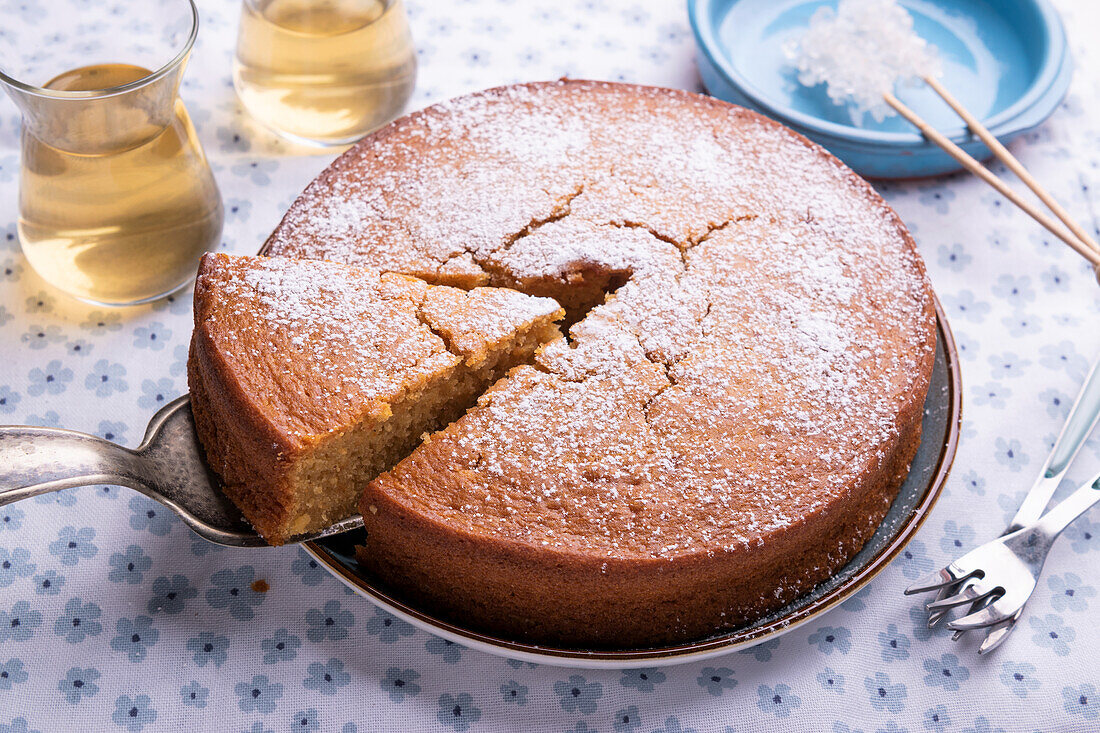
322	344
773	325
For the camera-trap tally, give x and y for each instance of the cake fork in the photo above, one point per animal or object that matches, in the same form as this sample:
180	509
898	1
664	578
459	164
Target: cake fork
168	466
1082	418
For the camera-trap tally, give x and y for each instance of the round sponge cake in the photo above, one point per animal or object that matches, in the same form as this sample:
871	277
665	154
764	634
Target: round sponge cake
740	394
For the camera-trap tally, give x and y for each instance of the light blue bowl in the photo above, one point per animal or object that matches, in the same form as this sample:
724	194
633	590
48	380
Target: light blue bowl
1006	60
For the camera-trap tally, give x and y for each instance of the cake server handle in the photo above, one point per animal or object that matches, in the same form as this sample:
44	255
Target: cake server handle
37	460
168	467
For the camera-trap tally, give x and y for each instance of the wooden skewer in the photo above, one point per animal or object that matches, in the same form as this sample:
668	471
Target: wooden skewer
972	165
1010	160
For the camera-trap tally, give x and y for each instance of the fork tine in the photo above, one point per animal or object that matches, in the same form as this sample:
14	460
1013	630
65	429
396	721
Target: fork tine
935	617
991	615
997	634
932	581
977	606
968	594
974	607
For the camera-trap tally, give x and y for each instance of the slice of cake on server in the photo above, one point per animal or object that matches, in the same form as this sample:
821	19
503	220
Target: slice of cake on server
309	378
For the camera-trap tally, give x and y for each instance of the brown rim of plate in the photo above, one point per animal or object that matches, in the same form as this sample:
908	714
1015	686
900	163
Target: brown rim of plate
734	639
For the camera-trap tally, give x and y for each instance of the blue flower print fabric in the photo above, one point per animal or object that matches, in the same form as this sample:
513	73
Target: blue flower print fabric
115	617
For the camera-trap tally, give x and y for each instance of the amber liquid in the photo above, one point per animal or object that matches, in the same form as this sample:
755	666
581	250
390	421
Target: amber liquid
324	71
122	226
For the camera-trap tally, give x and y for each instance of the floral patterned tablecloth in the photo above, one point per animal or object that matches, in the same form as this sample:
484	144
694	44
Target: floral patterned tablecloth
112	614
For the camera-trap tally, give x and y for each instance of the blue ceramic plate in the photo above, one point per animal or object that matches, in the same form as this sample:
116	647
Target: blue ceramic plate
1006	60
940	431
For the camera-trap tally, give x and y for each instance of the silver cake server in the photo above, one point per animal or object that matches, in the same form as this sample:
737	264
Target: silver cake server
168	466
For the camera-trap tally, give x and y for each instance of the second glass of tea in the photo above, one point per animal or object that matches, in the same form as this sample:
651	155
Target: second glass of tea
324	72
116	199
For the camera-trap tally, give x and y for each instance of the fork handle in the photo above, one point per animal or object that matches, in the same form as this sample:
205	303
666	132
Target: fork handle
1082	418
1073	506
38	460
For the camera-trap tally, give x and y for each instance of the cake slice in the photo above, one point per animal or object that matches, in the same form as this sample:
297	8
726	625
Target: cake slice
310	378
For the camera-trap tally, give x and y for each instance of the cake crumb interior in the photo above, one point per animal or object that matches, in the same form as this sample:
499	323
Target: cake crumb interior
329	481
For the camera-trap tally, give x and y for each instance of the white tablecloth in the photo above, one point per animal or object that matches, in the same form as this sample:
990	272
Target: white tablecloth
1024	309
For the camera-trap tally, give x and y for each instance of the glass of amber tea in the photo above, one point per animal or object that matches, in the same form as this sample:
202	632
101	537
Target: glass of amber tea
324	72
116	199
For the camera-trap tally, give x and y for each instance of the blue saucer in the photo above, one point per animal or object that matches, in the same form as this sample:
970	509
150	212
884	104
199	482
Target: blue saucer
1006	60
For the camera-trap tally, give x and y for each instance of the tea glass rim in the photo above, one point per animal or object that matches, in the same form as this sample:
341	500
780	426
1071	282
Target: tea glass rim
169	66
255	4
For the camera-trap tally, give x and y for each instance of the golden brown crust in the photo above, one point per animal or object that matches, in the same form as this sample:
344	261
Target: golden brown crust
536	594
239	444
532	594
726	430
